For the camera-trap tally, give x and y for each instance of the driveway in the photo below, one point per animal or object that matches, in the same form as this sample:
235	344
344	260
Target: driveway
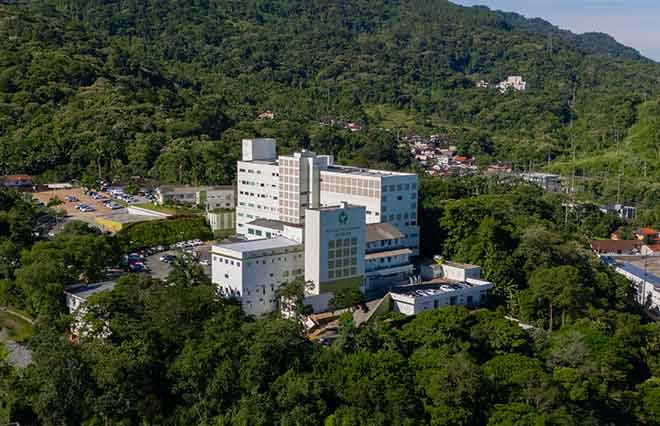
161	270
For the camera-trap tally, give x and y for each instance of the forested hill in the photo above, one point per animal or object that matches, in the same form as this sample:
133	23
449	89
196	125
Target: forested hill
166	89
588	43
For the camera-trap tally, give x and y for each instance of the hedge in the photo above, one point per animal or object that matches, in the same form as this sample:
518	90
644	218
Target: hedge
165	231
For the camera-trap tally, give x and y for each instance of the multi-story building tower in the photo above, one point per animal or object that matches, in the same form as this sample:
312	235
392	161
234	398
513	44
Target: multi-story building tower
252	271
299	184
334	252
389	197
283	188
258	183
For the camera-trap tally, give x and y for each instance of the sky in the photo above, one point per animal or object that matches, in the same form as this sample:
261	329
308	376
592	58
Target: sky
635	23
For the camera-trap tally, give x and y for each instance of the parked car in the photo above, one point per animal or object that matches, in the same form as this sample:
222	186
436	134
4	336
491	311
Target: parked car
205	262
71	198
138	267
134	256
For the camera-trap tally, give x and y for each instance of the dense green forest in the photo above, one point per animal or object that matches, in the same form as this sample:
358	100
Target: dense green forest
167	89
176	354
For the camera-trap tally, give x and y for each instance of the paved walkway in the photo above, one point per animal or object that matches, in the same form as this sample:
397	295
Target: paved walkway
16	314
18	355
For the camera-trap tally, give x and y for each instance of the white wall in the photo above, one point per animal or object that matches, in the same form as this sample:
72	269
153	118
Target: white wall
255	280
259	149
257	193
323	226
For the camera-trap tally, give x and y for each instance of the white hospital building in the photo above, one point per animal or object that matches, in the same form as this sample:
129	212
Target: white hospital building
356	227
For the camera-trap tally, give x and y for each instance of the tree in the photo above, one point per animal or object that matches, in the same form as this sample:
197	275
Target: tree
346	298
187	272
560	287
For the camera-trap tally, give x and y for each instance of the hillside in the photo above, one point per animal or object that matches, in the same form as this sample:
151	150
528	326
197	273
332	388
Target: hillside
167	89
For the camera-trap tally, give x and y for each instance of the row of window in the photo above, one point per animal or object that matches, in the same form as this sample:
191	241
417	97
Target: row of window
344	180
258	172
252	194
399	187
413	196
342	273
220	259
259	233
413	206
343	242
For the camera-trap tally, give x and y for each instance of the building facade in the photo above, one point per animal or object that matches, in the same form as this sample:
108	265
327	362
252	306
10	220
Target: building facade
387	260
334	252
282	188
258	183
444	284
209	197
253	271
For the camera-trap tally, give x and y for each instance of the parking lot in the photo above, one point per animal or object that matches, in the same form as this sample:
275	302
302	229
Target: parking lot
70	206
159	269
72	197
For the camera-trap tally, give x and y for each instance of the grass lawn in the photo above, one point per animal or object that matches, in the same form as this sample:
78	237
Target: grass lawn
17	329
173	210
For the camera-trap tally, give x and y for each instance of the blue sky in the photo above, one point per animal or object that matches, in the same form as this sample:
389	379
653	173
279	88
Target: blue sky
635	23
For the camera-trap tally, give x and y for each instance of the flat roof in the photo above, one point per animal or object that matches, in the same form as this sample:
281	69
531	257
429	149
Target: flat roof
642	267
380	254
273	162
382	231
461	265
256	245
127	218
85	290
357	171
273	224
336	207
173	188
432	288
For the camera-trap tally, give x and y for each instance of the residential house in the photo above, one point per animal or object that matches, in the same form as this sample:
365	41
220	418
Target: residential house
616	247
